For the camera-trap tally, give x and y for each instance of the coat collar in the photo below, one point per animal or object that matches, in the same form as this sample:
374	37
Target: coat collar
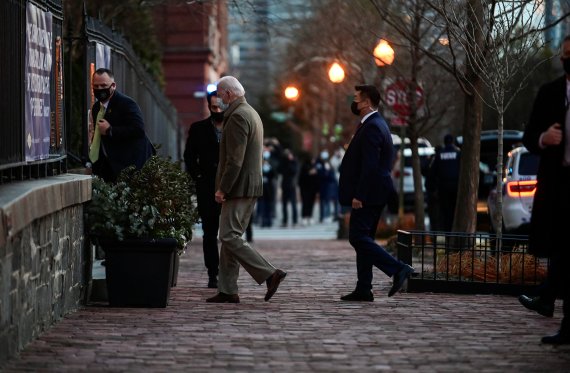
233	106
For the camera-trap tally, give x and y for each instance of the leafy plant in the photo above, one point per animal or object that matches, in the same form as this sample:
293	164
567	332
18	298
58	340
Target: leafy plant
155	201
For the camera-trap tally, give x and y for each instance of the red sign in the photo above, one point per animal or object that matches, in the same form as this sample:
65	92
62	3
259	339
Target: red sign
397	97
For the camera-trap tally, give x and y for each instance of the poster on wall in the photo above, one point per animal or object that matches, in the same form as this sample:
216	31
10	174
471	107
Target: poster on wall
38	70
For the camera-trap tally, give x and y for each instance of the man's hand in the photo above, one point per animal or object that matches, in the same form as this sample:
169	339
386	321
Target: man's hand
553	135
356	204
103	126
220	196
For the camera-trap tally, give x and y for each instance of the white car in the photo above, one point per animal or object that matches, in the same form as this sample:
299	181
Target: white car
425	151
519	186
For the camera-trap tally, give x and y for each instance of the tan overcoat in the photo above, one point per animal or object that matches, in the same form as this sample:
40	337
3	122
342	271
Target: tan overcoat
241	152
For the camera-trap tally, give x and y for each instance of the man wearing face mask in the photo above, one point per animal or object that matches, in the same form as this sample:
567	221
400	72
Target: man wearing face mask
119	139
238	185
365	185
548	135
201	156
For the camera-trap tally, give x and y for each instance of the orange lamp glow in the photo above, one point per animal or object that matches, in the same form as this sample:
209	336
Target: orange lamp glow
291	93
383	53
336	73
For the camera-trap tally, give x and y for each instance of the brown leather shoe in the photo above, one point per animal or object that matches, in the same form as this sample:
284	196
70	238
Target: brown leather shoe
273	283
224	298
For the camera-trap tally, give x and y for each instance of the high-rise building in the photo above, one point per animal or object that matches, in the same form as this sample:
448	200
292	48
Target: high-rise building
553	10
258	33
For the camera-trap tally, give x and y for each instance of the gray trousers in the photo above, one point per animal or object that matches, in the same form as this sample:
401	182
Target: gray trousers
235	250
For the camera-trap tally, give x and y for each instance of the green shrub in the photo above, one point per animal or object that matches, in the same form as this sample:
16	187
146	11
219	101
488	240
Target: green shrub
154	202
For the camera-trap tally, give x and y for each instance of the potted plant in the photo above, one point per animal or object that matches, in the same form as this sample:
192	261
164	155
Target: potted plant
143	222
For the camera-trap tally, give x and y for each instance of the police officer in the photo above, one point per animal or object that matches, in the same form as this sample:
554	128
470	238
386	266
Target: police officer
445	173
201	156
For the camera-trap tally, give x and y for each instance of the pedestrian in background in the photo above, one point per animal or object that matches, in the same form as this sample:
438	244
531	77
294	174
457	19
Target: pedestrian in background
309	187
119	139
548	135
201	155
326	185
238	184
289	168
266	202
445	174
366	186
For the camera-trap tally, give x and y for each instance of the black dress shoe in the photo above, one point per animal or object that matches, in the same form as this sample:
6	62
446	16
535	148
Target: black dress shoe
559	338
273	283
358	296
537	304
213	283
224	298
400	278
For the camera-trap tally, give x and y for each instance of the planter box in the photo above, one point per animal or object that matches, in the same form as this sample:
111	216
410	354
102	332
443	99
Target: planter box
139	272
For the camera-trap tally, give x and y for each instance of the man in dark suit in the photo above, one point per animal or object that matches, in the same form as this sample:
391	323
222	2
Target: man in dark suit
119	139
201	155
366	186
548	135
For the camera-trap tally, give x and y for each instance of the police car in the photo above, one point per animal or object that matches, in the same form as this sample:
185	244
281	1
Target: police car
518	188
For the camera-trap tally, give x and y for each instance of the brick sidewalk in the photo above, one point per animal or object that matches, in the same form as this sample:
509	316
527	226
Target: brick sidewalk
303	328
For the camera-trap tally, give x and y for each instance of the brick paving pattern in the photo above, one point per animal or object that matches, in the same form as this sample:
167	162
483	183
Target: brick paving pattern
305	327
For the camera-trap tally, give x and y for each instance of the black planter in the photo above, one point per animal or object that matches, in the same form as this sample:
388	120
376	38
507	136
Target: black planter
139	272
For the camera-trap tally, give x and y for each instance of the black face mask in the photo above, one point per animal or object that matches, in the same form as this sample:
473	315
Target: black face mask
217	117
354	108
102	94
566	64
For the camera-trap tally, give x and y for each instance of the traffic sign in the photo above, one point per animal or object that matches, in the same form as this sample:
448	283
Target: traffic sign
397	97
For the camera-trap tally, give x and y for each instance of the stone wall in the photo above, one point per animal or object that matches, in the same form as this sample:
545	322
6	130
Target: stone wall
44	265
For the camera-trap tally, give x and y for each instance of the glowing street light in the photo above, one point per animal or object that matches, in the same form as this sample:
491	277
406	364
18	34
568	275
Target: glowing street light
336	73
383	53
291	93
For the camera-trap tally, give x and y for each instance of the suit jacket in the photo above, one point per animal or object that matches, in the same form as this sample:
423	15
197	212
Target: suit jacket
366	165
202	152
549	107
127	145
241	148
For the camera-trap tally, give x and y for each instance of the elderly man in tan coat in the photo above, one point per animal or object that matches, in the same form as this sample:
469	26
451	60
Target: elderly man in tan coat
238	184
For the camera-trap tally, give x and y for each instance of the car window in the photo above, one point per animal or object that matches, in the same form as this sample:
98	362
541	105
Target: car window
528	164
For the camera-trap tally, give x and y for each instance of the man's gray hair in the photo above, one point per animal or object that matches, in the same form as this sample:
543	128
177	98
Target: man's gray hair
231	84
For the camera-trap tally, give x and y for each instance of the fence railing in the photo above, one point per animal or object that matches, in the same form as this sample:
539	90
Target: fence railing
16	160
34	52
470	263
161	121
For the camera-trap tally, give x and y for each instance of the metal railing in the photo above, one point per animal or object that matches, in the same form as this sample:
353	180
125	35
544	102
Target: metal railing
477	263
13	164
69	138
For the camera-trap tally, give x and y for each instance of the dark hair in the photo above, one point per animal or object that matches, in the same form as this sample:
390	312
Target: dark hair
448	139
209	97
103	70
370	92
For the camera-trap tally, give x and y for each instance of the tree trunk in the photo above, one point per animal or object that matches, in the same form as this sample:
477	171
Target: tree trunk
465	217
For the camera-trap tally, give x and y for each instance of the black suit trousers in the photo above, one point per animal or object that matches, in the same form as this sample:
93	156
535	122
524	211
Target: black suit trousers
209	212
361	235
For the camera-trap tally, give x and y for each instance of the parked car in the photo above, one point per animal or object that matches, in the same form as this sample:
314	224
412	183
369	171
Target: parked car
425	151
488	156
518	188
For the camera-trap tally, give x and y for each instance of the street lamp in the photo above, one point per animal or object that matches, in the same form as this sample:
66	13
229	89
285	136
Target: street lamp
336	76
336	73
291	93
384	56
383	53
